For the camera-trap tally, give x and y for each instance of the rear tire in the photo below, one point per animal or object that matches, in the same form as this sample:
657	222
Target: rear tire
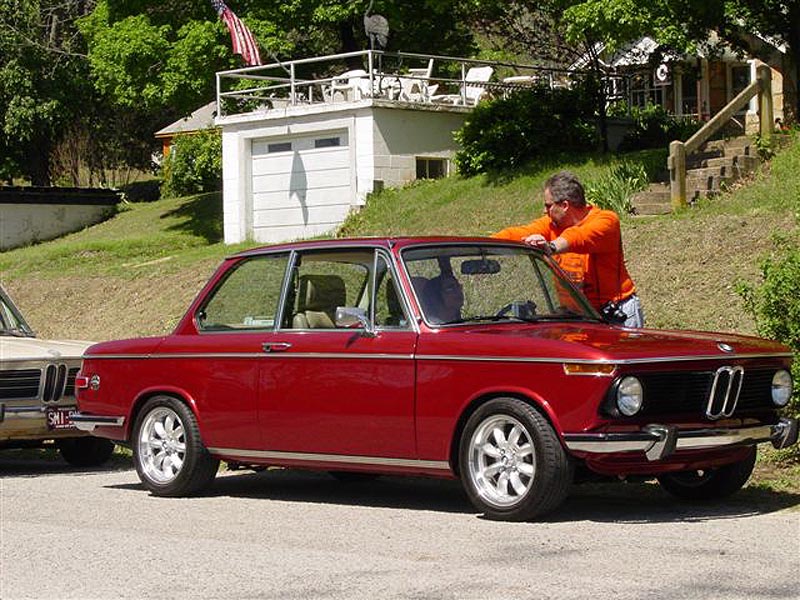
86	451
167	450
513	466
710	484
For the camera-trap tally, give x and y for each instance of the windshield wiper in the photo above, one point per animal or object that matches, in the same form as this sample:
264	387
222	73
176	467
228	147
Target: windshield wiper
491	319
15	332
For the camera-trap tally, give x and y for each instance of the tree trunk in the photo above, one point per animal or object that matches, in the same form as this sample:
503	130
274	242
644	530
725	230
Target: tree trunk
38	163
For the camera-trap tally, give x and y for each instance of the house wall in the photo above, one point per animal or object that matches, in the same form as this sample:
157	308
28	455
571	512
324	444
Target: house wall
28	217
403	135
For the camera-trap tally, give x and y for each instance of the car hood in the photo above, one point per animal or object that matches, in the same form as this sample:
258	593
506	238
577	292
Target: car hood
19	348
588	341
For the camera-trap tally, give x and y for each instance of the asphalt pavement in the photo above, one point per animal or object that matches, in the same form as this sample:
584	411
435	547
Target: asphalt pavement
293	534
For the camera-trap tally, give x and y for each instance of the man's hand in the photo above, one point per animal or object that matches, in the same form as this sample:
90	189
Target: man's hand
536	240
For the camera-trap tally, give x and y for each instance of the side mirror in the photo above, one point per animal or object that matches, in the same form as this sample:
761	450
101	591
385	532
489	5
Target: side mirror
348	317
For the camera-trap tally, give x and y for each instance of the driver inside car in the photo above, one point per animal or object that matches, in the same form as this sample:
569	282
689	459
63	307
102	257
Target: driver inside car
444	298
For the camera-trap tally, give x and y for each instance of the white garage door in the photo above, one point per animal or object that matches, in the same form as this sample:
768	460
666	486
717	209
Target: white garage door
302	186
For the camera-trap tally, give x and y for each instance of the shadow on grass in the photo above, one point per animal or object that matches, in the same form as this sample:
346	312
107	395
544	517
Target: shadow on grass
615	503
201	216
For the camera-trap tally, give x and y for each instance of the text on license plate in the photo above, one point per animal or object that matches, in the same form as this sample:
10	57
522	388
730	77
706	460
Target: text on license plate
60	418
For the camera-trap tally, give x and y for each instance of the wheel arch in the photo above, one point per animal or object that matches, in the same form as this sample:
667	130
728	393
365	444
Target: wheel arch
173	392
533	400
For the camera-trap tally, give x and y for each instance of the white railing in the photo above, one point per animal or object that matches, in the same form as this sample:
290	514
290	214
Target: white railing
374	74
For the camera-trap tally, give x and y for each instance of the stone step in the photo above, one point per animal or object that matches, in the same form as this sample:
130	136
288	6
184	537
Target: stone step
655	200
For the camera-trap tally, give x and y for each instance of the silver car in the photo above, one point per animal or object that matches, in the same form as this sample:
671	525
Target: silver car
37	391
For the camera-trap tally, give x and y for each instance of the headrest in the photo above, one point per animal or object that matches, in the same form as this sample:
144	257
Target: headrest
321	292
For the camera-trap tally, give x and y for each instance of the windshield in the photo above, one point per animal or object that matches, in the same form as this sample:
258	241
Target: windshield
474	283
11	321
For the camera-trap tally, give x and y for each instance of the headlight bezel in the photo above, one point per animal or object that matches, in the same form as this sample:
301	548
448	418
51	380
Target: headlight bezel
612	406
787	386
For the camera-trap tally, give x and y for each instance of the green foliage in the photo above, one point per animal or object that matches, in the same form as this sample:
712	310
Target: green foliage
614	190
194	164
508	132
654	127
775	305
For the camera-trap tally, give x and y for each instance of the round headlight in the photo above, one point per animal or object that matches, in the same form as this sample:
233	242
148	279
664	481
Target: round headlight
629	396
781	388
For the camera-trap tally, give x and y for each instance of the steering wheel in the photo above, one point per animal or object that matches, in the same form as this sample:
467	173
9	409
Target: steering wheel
519	309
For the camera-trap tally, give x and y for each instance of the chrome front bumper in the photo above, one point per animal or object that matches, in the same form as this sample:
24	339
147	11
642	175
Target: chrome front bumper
660	441
90	422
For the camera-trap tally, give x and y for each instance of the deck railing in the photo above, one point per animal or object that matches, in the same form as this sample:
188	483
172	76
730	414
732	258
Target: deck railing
376	74
678	151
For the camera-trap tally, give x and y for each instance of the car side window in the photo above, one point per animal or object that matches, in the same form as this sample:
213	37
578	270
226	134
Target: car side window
324	281
248	296
389	311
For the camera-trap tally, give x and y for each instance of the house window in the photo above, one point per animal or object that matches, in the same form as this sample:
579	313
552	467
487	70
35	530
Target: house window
279	147
643	92
740	78
431	168
689	92
327	142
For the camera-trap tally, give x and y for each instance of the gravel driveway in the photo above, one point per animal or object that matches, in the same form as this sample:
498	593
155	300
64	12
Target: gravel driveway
283	535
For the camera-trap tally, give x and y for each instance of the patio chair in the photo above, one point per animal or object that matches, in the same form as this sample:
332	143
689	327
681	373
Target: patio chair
416	87
471	90
350	85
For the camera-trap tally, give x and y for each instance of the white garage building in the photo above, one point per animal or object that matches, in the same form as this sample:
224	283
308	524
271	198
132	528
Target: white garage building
297	172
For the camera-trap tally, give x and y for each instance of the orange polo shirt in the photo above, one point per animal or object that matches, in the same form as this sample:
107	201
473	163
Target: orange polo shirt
594	263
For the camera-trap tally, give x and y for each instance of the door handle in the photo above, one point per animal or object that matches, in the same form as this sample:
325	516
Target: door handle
276	346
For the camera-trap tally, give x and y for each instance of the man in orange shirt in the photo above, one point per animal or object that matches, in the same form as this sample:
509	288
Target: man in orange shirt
586	242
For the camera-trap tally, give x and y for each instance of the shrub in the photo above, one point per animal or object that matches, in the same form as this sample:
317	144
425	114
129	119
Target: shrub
775	305
194	164
654	127
615	190
506	133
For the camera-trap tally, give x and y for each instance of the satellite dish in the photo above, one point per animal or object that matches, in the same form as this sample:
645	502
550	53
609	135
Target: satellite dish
377	29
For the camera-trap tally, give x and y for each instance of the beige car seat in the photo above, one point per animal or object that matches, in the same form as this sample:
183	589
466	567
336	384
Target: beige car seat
317	299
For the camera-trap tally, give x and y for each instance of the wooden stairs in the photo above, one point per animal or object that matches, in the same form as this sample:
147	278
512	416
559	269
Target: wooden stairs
708	172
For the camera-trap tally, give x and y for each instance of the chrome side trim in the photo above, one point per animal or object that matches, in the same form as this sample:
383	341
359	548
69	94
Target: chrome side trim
333	458
450	357
602	361
256	355
90	422
658	441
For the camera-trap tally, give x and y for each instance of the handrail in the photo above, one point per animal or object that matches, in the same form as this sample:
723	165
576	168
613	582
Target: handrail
676	163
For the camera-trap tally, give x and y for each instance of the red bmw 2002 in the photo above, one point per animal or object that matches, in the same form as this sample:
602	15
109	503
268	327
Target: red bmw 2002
450	357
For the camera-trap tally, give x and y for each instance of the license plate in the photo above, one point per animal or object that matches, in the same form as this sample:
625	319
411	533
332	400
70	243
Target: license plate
60	418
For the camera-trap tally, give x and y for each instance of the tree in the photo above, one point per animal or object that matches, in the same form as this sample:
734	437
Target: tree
757	27
43	82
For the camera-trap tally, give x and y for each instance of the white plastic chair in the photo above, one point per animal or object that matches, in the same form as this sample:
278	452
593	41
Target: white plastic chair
351	85
416	88
471	90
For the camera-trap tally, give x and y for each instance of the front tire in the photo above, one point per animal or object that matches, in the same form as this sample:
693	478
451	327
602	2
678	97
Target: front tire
710	484
513	466
86	451
167	450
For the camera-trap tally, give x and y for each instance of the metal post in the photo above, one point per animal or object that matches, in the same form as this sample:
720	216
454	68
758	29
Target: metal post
676	163
291	85
766	114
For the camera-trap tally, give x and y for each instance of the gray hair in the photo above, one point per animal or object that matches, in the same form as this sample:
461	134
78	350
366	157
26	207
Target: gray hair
565	185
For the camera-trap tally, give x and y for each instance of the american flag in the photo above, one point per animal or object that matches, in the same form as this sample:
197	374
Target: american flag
241	37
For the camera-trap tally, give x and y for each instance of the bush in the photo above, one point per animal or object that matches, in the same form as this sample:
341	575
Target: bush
654	128
194	164
615	190
506	133
775	305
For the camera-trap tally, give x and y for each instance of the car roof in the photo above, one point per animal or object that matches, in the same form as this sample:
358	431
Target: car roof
382	242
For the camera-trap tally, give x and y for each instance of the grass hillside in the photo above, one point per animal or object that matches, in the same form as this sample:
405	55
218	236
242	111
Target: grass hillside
136	273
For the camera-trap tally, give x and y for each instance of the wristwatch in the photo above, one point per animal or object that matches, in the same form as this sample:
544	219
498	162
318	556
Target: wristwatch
551	248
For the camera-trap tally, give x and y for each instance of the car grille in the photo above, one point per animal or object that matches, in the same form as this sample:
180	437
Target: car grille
689	392
55	382
19	384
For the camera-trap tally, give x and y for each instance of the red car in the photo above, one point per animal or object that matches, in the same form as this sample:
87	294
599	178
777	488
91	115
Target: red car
449	357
